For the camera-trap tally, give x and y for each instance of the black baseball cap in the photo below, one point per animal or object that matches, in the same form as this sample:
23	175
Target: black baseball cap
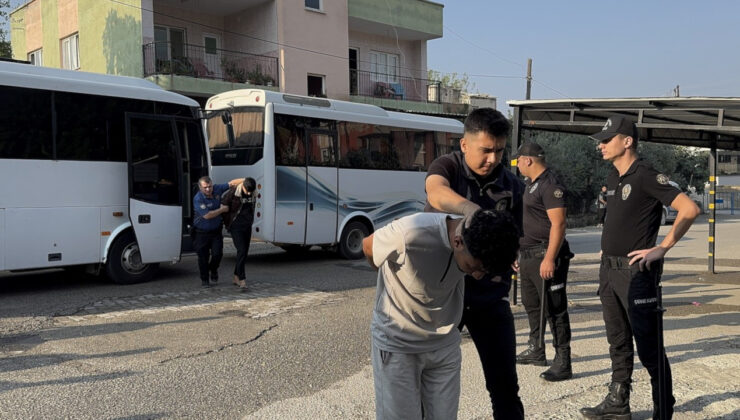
616	124
530	149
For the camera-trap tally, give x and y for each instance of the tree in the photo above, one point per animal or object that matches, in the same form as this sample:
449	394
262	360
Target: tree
452	80
5	50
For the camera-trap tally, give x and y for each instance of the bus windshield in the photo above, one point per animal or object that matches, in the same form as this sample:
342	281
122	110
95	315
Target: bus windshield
248	123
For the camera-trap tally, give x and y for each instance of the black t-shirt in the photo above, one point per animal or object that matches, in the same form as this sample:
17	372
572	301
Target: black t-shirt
500	190
545	193
634	202
243	220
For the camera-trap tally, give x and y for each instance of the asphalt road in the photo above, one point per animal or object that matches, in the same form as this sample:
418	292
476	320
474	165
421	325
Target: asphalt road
295	346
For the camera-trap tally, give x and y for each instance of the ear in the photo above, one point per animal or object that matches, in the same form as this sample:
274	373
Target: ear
463	144
628	141
457	243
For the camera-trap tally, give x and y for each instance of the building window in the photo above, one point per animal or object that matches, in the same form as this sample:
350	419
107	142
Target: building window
316	85
313	4
383	67
169	44
36	58
70	52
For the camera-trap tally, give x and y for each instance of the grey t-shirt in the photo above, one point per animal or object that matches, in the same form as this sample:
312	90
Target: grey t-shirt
419	297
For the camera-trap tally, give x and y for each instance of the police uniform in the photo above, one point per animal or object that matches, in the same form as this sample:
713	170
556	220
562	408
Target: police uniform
545	193
629	296
487	312
209	241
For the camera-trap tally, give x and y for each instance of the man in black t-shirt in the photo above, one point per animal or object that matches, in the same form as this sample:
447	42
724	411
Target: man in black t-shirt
631	266
543	263
461	183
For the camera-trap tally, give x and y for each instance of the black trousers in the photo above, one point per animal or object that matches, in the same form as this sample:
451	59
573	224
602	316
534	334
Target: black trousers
629	301
491	327
241	238
556	308
602	215
209	246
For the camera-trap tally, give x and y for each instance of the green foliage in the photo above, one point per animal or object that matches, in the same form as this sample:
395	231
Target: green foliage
583	171
5	50
452	80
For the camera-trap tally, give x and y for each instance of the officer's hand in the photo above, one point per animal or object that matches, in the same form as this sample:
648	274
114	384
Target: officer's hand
647	256
224	208
547	268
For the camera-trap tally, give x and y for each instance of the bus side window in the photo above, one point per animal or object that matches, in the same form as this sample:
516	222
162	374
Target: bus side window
25	124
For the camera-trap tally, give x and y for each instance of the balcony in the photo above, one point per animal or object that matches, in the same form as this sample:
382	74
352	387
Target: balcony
387	86
167	58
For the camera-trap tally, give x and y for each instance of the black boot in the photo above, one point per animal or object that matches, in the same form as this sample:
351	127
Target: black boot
616	405
533	355
560	369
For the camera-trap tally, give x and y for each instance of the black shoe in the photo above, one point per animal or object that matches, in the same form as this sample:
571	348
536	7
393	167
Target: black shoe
532	356
214	277
205	284
560	369
616	405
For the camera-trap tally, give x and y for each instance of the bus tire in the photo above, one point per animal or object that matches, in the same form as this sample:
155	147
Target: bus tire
124	264
350	243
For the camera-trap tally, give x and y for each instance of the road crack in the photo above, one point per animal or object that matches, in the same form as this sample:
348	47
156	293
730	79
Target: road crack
222	348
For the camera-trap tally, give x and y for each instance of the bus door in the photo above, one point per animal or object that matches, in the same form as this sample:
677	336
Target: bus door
155	186
321	187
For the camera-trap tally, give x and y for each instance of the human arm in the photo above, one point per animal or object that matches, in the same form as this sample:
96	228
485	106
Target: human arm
687	213
236	181
217	212
443	198
367	249
557	234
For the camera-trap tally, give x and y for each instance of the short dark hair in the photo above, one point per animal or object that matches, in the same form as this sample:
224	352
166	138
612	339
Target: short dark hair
492	237
205	179
489	121
250	184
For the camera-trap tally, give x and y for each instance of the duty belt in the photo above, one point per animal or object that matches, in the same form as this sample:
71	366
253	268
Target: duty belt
615	263
535	251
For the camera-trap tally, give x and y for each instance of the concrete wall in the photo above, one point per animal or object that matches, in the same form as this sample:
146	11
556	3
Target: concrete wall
253	25
18	33
325	32
50	33
67	17
110	37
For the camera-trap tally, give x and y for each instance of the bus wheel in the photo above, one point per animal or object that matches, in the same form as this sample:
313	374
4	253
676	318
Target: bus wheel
124	264
350	244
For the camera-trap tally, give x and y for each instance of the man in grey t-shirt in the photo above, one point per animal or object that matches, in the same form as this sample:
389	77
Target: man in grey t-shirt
421	260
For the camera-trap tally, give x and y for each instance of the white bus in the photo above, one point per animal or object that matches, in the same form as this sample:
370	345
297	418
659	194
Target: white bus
97	171
329	172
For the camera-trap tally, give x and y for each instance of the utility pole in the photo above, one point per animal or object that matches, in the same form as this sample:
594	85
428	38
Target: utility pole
529	78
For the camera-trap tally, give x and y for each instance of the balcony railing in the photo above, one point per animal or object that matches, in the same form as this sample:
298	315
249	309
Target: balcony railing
209	63
381	85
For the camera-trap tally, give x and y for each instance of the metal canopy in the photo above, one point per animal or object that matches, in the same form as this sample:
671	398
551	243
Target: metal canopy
687	121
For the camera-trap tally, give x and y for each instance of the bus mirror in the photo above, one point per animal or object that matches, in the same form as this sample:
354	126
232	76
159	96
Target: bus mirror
226	118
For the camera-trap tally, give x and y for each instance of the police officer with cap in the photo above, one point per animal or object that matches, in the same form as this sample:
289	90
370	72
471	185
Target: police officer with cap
631	266
543	263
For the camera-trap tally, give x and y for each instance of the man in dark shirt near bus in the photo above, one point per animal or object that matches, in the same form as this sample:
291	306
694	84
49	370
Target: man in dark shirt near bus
461	182
543	263
631	266
209	240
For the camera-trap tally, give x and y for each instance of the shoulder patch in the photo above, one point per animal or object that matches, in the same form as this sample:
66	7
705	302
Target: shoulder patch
203	206
558	193
662	179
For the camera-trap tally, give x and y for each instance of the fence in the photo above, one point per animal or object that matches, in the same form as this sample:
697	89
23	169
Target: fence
381	85
209	63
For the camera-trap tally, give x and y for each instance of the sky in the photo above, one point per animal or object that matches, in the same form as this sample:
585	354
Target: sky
592	49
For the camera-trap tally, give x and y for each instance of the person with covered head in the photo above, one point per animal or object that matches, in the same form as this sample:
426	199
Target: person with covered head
421	261
631	267
240	199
